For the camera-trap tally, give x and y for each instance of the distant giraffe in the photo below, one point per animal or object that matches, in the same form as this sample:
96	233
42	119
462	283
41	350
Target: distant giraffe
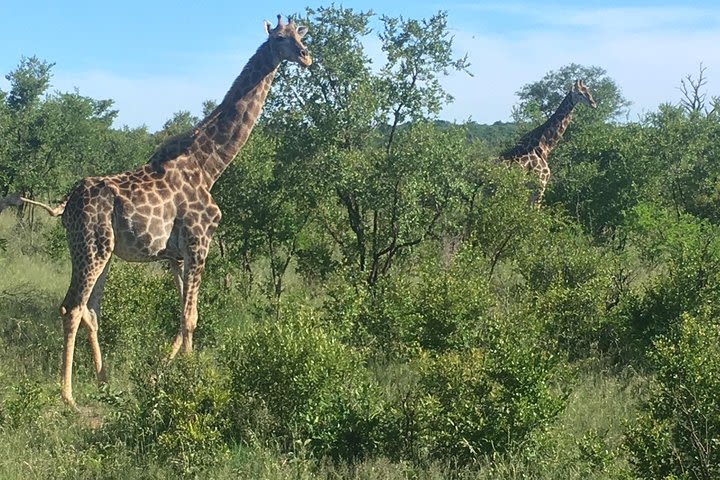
163	210
532	150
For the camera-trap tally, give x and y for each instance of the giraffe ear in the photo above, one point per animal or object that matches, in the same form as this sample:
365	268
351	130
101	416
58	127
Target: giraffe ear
301	31
268	26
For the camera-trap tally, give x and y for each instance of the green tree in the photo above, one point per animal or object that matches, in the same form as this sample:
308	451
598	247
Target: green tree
49	140
683	143
180	123
538	100
28	82
266	209
349	121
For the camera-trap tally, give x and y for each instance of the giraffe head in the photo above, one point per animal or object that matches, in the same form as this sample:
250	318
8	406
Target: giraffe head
581	94
286	42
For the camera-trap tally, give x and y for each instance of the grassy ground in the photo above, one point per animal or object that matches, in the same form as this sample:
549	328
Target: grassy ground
41	438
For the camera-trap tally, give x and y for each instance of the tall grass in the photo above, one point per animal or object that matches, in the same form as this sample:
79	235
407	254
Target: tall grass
41	438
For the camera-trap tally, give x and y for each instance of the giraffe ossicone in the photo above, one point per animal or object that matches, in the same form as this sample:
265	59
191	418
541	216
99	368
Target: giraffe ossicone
531	151
163	210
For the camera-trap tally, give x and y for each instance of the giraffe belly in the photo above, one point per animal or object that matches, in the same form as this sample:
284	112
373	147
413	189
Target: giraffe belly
135	242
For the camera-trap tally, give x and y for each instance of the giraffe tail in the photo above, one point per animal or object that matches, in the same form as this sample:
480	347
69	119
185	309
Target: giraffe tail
53	211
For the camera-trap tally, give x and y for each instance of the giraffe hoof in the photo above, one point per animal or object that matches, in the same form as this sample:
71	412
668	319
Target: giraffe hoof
102	378
70	402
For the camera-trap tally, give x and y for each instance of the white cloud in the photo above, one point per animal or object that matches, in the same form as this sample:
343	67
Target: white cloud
645	57
151	100
647	51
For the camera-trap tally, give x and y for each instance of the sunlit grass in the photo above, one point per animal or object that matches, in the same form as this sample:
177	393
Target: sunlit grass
21	263
583	443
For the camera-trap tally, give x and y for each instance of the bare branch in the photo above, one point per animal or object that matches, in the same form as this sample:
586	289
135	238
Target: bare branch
694	98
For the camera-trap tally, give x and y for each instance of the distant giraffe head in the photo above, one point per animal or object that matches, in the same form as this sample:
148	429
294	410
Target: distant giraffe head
286	42
580	94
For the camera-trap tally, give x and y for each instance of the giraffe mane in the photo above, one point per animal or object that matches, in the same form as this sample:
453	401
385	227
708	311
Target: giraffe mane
172	148
526	142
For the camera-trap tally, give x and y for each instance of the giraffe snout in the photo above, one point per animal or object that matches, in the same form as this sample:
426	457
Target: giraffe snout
304	57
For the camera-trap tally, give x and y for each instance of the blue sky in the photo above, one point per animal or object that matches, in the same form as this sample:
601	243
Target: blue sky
154	58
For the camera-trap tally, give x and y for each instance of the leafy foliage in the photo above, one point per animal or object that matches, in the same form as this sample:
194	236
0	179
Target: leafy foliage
295	382
485	401
24	405
348	123
178	414
687	252
678	430
380	293
139	308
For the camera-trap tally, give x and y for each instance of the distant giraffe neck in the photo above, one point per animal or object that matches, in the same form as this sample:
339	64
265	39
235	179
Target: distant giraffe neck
219	137
540	141
554	128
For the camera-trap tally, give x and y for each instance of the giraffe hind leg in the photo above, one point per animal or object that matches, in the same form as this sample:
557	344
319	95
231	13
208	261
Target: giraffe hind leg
91	320
77	311
90	248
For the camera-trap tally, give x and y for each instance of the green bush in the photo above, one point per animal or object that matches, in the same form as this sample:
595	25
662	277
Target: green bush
445	307
24	404
294	382
452	304
678	433
378	322
683	254
29	329
177	415
568	286
485	401
140	310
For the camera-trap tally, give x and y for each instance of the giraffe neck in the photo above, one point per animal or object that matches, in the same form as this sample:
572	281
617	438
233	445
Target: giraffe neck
552	130
541	140
219	137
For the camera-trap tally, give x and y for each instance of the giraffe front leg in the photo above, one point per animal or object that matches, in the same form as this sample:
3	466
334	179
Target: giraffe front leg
190	316
191	286
187	324
195	242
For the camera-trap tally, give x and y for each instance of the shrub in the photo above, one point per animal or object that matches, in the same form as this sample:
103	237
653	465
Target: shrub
568	286
446	307
378	322
178	414
451	304
294	382
686	253
678	433
485	401
24	405
140	308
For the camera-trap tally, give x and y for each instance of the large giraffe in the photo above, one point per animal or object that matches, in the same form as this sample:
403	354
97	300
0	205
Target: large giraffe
163	210
532	150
